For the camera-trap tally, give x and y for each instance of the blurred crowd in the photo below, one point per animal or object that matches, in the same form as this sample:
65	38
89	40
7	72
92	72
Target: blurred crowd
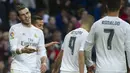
60	17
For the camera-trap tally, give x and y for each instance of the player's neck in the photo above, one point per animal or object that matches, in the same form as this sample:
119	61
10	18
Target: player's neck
27	25
113	14
85	27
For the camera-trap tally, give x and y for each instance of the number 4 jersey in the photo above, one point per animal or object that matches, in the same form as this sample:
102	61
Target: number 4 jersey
112	38
71	47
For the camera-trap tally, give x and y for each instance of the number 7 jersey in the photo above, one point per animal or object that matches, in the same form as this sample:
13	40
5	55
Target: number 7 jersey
112	38
71	47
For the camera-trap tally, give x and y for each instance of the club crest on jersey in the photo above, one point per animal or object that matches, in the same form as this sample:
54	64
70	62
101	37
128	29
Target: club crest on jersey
35	36
12	35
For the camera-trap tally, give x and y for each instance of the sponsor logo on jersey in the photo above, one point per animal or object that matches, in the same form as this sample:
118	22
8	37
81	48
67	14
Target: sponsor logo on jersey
23	43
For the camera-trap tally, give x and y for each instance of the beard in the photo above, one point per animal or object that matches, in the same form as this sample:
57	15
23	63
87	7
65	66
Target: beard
26	22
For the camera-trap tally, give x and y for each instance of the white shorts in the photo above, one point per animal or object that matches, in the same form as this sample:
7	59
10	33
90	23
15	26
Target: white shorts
108	72
69	72
19	71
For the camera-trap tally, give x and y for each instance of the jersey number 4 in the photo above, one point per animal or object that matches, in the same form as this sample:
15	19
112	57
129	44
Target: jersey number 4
111	31
72	44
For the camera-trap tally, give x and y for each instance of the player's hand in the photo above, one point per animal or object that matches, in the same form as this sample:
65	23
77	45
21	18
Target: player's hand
91	68
90	72
28	50
51	44
128	71
43	68
55	71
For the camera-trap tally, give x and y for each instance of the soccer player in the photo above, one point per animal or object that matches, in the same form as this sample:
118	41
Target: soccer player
38	22
72	53
27	45
111	35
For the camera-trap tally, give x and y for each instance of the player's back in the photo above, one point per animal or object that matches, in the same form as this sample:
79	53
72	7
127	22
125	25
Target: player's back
110	36
71	48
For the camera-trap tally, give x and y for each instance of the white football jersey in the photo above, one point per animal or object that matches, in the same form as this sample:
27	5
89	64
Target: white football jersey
71	47
21	36
111	36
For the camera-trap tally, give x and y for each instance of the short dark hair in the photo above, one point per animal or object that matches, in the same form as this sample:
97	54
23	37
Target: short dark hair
34	18
113	5
19	7
39	10
12	10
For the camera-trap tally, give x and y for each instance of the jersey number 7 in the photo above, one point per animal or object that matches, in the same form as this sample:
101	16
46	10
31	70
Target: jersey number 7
111	31
72	44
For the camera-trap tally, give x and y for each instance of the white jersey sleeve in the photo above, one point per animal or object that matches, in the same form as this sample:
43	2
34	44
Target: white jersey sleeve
63	45
88	45
91	36
83	41
13	39
41	45
127	45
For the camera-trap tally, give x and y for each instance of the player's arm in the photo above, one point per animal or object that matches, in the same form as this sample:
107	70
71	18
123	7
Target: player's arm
81	58
81	61
42	52
127	46
57	62
88	58
43	64
50	44
88	45
13	39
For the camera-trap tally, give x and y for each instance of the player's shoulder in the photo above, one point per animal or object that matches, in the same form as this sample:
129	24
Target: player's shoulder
16	26
124	22
36	29
81	31
100	20
70	33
